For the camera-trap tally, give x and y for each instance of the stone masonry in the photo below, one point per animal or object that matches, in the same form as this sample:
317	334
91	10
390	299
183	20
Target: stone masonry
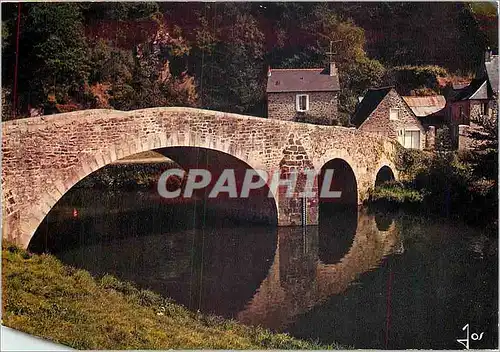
322	107
378	122
43	157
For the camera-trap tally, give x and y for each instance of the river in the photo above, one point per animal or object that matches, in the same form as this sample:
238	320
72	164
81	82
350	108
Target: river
362	280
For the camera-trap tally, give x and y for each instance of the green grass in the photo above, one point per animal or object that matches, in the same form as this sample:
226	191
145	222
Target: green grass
396	193
43	297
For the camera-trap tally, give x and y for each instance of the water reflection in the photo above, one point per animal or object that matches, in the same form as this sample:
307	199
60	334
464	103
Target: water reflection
205	270
359	279
337	227
298	280
182	251
420	296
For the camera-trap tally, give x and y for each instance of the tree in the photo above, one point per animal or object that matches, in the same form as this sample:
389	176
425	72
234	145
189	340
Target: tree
119	11
111	76
227	58
408	79
486	15
53	55
307	44
153	81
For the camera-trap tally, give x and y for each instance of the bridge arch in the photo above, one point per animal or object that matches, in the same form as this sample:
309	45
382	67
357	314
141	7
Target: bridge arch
334	240
384	174
43	157
344	180
119	151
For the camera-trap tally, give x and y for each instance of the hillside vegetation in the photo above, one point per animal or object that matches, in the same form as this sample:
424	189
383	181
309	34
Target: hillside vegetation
215	55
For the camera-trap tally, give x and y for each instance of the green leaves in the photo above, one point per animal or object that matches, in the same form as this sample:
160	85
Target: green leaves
65	48
53	55
227	58
407	78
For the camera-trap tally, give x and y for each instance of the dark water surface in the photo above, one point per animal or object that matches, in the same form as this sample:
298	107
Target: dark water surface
362	280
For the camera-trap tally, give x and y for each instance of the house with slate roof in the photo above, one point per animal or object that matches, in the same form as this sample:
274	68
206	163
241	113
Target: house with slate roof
303	95
480	98
384	112
475	103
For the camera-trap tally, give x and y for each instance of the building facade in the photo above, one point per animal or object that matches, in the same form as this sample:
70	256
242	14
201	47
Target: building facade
303	95
384	112
474	106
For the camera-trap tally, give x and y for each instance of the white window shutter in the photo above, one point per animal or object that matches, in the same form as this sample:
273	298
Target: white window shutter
401	137
297	102
307	102
416	140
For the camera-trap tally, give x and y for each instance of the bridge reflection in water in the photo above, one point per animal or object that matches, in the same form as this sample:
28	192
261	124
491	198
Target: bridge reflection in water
299	280
260	275
349	280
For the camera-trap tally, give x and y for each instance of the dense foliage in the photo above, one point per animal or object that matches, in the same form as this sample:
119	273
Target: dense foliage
215	55
460	185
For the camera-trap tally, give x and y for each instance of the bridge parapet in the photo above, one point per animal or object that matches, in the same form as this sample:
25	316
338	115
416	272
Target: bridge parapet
43	157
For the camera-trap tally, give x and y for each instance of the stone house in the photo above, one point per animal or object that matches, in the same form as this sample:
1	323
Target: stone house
475	104
384	112
303	95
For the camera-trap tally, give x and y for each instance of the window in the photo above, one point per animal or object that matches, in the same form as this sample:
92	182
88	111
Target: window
302	102
412	139
394	114
486	109
409	138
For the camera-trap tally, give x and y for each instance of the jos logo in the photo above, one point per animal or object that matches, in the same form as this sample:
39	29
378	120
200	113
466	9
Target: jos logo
474	337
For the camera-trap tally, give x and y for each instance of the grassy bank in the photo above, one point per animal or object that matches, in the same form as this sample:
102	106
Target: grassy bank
43	297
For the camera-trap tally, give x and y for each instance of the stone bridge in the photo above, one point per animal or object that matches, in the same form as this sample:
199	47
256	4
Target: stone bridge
43	157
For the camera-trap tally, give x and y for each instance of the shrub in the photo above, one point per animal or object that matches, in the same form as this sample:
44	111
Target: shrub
411	162
395	192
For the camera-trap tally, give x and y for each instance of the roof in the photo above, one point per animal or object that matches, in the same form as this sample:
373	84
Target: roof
484	86
459	86
425	106
477	89
481	92
302	80
369	103
492	71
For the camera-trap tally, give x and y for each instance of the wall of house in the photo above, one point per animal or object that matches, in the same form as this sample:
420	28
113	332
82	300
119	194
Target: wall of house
476	109
379	123
469	137
455	118
323	108
494	107
430	138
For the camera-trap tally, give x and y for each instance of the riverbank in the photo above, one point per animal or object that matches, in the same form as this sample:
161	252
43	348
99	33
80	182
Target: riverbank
475	209
450	185
45	298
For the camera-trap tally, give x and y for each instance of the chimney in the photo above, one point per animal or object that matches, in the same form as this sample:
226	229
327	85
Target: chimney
333	69
268	71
